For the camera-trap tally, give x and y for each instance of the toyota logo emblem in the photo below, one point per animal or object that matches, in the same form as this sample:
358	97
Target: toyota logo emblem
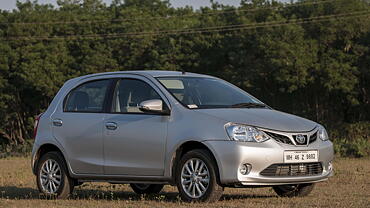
300	139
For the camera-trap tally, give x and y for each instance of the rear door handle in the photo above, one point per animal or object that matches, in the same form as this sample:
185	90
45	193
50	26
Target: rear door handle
57	122
111	126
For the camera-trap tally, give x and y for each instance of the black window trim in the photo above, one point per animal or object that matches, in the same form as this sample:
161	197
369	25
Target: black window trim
106	97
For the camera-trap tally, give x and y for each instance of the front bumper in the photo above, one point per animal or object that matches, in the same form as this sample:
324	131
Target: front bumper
232	155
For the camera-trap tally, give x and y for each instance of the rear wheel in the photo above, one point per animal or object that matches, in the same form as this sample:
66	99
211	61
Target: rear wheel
51	176
141	188
294	190
196	177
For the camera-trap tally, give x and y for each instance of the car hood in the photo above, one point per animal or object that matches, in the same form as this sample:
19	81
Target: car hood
263	117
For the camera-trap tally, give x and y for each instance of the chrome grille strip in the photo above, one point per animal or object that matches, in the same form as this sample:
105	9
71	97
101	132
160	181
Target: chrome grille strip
280	138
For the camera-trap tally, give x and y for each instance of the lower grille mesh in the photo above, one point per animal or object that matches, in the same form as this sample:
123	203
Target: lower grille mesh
295	169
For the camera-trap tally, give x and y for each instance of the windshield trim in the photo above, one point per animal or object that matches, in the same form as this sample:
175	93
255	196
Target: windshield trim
205	77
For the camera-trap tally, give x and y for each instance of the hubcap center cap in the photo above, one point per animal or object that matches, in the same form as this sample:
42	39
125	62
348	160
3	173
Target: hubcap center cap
195	178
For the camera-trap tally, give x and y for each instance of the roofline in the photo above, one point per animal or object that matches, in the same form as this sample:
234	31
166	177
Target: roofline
149	73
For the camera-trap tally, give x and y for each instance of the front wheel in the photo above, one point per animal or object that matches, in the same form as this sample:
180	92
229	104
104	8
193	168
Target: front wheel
51	176
294	190
196	177
141	188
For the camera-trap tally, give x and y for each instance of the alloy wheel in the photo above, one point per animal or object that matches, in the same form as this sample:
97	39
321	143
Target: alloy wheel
195	178
50	176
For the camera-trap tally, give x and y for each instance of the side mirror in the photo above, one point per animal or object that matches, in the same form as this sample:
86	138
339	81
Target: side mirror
153	106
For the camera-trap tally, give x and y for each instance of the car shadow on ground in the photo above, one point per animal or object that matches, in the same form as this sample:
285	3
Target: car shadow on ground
13	192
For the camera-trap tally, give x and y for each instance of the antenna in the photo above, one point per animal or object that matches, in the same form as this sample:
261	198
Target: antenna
183	71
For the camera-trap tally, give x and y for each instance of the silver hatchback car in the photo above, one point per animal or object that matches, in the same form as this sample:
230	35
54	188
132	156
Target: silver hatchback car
151	128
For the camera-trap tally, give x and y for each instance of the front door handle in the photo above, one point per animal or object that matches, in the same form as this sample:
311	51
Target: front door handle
57	122
111	126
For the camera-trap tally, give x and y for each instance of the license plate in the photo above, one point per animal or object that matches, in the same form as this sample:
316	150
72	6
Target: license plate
301	156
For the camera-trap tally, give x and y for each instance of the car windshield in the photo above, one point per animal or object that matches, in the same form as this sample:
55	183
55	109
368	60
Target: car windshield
200	92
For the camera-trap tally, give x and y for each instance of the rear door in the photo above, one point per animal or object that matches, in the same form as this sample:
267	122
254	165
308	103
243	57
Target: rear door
77	125
134	141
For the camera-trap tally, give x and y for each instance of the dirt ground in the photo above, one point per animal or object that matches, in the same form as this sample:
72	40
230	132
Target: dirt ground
350	187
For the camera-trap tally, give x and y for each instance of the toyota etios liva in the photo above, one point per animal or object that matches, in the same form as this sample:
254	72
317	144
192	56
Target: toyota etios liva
151	128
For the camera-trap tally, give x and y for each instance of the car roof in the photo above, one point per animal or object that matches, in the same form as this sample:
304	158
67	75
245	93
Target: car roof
152	73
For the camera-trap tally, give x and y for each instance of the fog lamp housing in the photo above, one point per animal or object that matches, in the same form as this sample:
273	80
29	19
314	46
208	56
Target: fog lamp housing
245	169
330	166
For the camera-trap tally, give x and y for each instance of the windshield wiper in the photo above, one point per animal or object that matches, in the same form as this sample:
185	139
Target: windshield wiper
249	105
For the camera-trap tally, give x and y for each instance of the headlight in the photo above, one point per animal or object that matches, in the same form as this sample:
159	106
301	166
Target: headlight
323	135
243	133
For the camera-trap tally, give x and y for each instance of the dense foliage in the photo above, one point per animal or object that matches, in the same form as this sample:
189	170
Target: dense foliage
319	69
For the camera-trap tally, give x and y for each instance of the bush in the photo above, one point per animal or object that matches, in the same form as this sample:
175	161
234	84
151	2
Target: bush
352	140
24	149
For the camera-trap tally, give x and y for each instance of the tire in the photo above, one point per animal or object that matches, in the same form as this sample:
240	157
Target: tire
296	190
202	184
146	188
58	173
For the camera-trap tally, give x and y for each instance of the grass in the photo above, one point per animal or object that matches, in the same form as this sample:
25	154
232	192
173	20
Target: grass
350	187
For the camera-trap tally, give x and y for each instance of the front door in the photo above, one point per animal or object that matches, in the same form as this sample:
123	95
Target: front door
134	141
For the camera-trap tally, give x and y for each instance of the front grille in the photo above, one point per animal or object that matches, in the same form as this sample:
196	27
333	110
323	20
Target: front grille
280	138
286	140
313	137
296	169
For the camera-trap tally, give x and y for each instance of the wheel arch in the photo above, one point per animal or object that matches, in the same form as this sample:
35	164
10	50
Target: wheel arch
186	147
45	148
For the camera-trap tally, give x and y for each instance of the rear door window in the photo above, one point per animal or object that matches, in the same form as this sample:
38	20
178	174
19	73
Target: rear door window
88	97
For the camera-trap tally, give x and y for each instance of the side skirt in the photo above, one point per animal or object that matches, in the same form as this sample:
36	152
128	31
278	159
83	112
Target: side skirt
122	179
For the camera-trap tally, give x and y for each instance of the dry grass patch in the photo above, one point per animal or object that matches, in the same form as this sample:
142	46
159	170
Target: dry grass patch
350	187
